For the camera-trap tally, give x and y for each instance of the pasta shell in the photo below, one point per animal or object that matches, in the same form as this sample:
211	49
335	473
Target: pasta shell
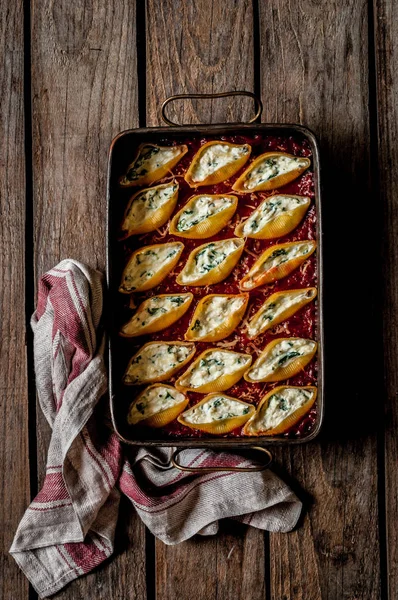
204	215
148	266
281	359
216	316
156	406
157	361
270	171
149	209
217	414
277	308
275	217
280	410
277	262
216	161
151	163
214	370
157	313
211	262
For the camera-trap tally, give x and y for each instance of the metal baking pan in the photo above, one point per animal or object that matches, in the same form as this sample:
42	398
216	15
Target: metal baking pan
121	150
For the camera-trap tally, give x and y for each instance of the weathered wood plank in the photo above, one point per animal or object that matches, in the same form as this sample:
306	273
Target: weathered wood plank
14	461
204	46
386	29
228	566
84	92
314	66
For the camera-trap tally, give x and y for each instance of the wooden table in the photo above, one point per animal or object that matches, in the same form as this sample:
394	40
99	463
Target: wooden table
73	75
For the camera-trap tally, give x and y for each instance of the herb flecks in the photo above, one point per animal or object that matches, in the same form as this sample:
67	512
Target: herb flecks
284	359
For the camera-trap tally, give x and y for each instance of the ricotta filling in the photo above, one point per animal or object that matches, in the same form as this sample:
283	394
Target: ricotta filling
150	159
208	258
280	357
214	158
153	401
148	262
274	309
155	308
272	167
213	365
147	202
281	405
200	209
271	209
215	311
157	360
216	408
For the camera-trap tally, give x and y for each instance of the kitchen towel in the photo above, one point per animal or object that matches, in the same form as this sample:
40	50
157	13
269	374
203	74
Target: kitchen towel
69	527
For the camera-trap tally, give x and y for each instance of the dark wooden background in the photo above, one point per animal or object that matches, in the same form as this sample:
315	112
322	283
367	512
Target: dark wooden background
73	74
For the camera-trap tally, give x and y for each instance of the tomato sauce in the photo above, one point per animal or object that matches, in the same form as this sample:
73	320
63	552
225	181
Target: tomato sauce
302	324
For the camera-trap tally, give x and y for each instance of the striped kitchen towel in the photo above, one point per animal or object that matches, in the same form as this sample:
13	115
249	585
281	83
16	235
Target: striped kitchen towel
69	527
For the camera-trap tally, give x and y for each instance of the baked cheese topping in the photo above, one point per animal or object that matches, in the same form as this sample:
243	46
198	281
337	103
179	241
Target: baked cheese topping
157	360
151	158
215	364
210	256
148	262
271	167
271	209
214	313
201	208
156	307
215	157
152	401
271	310
147	202
281	405
281	356
216	408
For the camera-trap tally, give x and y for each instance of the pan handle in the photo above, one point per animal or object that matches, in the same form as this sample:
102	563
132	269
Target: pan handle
181	467
257	102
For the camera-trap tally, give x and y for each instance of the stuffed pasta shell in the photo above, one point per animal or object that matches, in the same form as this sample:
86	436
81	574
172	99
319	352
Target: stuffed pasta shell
204	215
157	361
277	262
280	410
270	171
148	266
282	358
217	414
156	406
277	308
149	209
275	217
216	161
157	313
151	163
211	262
216	317
214	370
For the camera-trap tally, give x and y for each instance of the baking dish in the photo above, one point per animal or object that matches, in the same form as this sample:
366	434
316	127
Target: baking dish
119	154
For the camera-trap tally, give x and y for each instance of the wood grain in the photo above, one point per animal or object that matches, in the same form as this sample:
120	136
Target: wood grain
84	93
228	566
14	461
200	46
315	71
204	46
386	29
